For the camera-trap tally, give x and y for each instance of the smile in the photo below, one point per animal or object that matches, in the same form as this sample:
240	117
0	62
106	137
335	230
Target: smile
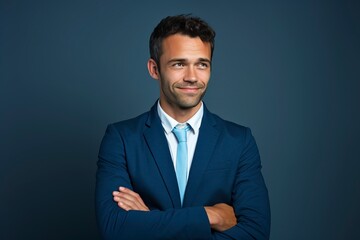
189	89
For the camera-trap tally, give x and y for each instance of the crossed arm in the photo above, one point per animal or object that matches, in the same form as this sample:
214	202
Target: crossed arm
221	216
115	220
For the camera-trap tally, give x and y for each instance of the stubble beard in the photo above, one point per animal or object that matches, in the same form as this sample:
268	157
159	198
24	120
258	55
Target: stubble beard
185	102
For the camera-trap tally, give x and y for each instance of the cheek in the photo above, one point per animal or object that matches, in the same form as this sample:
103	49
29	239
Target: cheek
166	83
176	75
204	76
172	77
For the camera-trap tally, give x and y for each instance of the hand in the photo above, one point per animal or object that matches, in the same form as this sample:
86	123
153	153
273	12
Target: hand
129	200
221	217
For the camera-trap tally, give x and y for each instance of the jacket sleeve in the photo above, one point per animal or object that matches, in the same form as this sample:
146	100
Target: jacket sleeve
250	197
115	223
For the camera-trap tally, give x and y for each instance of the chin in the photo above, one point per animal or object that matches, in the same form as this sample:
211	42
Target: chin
188	105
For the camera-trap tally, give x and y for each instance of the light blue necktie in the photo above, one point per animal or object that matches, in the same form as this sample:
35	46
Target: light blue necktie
180	132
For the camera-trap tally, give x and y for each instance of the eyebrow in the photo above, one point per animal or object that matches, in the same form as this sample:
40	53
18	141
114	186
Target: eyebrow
185	60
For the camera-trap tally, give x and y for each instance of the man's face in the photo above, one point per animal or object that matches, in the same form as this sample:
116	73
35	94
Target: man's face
184	72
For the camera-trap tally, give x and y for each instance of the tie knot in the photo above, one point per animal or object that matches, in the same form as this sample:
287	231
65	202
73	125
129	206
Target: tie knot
180	131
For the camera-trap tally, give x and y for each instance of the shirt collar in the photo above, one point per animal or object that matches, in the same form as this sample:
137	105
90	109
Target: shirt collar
169	123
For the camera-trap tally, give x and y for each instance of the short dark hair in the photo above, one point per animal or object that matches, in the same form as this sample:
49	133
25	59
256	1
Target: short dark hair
183	24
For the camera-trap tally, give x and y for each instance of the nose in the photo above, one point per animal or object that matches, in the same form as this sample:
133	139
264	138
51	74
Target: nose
190	74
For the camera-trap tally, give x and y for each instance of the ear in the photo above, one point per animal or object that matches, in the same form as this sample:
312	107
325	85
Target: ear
153	69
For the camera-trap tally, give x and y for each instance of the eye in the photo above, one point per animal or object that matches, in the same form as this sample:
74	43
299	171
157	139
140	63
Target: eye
203	65
178	65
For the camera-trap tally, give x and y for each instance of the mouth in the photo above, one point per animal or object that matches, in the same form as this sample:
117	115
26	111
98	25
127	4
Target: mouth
190	90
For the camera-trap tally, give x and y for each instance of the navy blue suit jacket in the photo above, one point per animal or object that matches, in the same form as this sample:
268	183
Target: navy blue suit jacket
226	168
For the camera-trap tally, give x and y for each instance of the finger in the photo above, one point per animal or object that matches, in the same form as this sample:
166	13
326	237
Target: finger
128	191
134	197
128	204
115	193
129	201
116	196
123	206
132	201
116	199
132	194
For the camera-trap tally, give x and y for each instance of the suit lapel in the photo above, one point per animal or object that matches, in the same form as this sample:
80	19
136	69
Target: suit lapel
157	143
206	143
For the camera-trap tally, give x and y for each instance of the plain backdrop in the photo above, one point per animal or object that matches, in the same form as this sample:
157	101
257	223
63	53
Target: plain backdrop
289	70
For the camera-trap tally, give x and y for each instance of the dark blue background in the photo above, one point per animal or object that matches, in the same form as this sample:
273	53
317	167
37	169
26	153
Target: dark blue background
287	69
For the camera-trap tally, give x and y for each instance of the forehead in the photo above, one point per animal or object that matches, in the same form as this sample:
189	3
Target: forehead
183	46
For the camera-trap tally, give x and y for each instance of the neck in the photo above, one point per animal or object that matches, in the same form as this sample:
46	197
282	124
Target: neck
181	115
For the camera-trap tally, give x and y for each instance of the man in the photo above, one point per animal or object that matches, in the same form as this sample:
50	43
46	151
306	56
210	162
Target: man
152	184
